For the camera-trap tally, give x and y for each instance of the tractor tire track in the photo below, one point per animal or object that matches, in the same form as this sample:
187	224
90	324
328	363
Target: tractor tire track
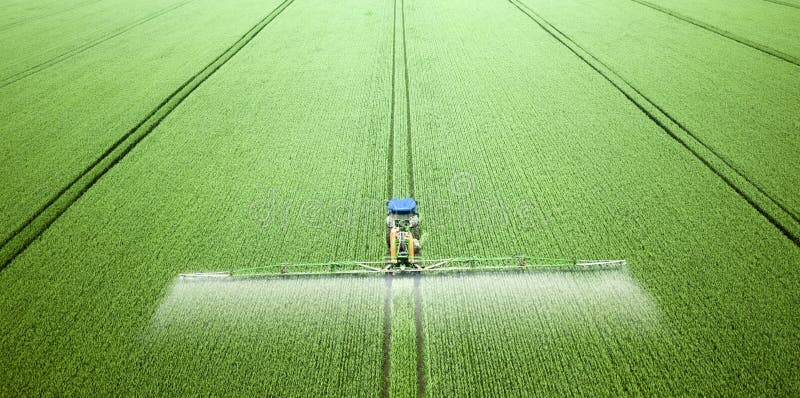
770	208
395	146
26	234
11	79
401	174
34	18
390	180
724	33
410	152
783	3
410	171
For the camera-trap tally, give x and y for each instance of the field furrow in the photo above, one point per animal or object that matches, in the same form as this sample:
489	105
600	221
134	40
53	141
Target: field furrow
547	157
734	99
56	127
226	181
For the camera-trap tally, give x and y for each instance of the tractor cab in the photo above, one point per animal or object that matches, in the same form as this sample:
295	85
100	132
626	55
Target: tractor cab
402	231
402	213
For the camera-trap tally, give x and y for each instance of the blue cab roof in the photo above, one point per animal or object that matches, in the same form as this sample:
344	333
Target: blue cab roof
404	205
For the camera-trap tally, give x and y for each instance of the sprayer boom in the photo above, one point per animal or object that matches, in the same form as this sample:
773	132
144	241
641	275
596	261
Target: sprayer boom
420	265
403	248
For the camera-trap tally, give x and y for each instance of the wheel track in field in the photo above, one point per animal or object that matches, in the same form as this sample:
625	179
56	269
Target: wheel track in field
15	77
37	17
783	3
724	33
409	152
770	208
390	172
37	224
394	137
410	170
386	369
409	174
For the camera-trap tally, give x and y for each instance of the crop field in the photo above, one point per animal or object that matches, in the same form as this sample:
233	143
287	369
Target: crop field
144	139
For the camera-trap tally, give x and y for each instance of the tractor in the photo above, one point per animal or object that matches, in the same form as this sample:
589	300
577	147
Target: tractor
402	232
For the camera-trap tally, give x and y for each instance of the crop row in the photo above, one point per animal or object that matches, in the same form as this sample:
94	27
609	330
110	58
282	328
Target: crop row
759	24
736	100
56	125
18	12
298	337
97	169
290	132
768	205
545	333
518	148
545	157
402	354
41	43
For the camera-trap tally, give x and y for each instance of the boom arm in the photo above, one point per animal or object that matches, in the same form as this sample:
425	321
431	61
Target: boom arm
419	265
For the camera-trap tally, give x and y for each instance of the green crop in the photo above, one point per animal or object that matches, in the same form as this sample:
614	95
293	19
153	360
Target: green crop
547	157
257	133
226	181
735	99
56	123
510	334
65	39
402	353
299	337
762	24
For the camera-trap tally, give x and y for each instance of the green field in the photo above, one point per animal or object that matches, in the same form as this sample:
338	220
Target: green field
140	140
